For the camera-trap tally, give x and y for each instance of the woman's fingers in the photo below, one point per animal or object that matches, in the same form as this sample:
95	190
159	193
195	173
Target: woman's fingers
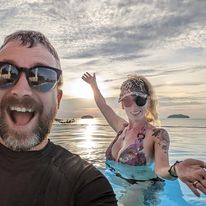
203	171
84	78
193	188
90	79
197	186
200	176
88	75
200	187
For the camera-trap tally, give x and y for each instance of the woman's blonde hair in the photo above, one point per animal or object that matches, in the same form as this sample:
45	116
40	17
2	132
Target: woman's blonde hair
151	114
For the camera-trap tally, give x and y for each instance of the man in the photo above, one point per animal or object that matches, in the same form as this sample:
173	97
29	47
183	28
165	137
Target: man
33	170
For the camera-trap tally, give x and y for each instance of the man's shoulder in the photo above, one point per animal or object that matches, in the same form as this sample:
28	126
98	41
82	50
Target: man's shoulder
84	178
58	152
63	157
71	164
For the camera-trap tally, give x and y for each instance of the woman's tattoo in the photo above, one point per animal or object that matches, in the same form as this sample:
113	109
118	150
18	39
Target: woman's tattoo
162	139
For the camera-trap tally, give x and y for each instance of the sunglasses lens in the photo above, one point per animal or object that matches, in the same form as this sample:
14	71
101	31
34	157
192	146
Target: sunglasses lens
42	78
140	101
8	75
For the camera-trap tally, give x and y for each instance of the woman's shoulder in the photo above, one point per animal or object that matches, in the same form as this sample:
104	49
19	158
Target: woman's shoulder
159	134
157	131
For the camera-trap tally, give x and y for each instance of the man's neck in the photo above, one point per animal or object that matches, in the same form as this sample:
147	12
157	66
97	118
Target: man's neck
35	148
40	146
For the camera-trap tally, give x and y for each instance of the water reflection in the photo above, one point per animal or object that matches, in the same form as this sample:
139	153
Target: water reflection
87	137
88	143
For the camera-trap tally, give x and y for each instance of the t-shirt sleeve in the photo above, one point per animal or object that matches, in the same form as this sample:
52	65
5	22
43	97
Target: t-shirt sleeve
93	189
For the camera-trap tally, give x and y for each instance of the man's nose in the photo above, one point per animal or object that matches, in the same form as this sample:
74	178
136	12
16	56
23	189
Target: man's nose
22	88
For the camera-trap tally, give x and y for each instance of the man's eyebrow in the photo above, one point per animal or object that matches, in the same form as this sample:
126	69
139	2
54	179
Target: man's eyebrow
36	64
8	61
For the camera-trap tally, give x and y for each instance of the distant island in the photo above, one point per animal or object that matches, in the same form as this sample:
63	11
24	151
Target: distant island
87	117
178	116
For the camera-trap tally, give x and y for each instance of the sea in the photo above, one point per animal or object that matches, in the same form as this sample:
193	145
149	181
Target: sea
90	138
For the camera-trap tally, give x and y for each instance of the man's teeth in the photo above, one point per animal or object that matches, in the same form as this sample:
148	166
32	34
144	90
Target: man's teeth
21	109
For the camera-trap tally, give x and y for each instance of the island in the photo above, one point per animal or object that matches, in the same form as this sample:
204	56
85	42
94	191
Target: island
87	117
178	116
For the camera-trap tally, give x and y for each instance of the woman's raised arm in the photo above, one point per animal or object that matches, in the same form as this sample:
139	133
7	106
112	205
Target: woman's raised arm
115	121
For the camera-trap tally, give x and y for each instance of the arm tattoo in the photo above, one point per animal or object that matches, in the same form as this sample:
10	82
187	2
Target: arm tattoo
162	139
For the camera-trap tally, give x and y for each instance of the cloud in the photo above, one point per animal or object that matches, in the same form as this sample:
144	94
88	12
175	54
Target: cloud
92	28
121	34
163	40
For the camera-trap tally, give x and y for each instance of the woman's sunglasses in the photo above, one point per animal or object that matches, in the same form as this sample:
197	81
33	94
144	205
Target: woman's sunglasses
139	100
41	78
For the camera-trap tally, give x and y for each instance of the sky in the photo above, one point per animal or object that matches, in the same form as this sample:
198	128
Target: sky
163	40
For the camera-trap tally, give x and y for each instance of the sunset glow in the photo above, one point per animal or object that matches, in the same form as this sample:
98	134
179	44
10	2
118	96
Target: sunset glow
78	89
155	39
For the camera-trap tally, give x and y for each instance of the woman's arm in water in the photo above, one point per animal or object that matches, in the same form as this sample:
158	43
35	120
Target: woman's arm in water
189	171
115	121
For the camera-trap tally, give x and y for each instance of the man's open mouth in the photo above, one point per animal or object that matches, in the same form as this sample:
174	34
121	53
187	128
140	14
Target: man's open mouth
20	115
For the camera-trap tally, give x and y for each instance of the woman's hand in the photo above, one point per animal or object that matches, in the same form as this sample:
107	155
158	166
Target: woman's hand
192	172
90	79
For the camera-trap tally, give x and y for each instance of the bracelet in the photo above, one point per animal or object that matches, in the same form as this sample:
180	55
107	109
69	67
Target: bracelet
173	166
177	162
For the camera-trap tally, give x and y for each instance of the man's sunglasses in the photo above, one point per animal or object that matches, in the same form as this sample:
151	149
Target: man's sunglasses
41	78
139	100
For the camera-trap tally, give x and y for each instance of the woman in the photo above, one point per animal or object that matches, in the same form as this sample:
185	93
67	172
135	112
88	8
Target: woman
139	142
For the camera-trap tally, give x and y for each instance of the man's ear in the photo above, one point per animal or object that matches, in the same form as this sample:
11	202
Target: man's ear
59	96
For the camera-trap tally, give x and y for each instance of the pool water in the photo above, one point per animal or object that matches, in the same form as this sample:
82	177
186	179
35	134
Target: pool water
90	139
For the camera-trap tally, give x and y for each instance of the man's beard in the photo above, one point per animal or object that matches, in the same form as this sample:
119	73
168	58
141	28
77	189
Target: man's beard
25	140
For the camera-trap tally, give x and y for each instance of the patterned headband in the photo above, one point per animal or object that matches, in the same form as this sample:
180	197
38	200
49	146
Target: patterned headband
133	87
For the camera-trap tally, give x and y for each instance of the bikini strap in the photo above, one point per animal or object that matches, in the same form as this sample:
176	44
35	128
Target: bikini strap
123	127
141	134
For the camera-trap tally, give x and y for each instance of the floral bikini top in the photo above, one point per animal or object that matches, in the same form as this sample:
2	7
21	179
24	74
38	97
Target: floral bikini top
134	153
